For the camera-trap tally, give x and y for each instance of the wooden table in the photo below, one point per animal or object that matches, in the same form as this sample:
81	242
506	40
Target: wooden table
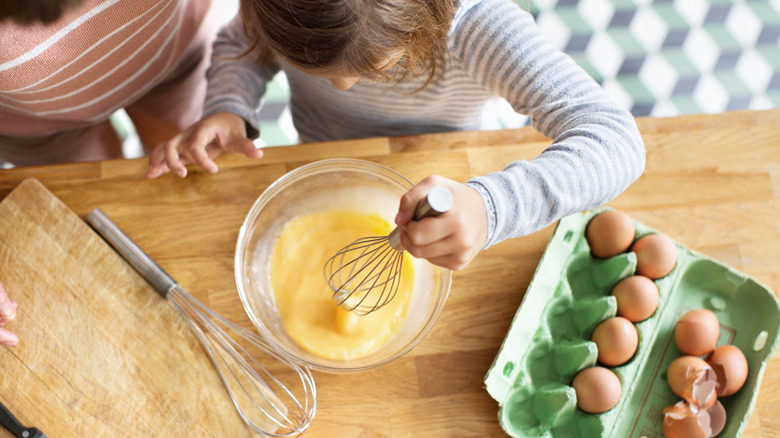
712	183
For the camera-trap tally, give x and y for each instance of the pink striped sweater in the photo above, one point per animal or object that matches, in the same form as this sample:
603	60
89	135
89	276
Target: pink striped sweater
97	58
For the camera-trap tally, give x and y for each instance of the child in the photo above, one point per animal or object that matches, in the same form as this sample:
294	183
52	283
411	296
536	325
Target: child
398	67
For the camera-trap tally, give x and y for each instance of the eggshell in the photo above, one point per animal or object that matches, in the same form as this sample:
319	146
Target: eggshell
680	421
598	389
610	233
731	367
686	421
717	418
692	379
637	298
696	332
616	339
656	255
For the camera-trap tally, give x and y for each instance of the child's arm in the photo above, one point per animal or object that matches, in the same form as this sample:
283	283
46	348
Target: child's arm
596	153
597	150
236	85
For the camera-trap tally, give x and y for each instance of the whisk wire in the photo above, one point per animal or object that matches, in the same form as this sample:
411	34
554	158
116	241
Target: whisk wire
377	268
367	247
285	408
230	359
372	265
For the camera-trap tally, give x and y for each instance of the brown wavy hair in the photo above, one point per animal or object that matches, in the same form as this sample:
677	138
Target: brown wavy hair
353	36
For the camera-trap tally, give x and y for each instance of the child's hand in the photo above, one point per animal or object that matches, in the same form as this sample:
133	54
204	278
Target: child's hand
7	313
200	144
451	240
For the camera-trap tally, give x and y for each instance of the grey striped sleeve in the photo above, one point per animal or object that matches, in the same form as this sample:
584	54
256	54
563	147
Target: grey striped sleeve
597	150
236	83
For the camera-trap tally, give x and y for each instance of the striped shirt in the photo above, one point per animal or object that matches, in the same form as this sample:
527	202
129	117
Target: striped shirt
495	50
97	58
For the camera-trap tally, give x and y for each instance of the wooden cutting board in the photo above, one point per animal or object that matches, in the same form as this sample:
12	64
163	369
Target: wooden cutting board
106	354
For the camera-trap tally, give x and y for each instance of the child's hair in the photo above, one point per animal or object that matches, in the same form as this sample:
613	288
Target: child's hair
352	36
31	11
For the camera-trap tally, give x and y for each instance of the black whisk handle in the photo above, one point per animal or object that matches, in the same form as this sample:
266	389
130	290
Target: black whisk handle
138	259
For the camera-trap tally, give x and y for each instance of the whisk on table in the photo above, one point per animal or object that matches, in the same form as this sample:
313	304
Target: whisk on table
366	274
269	406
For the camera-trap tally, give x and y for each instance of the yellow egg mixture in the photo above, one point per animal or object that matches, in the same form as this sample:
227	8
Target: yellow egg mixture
310	315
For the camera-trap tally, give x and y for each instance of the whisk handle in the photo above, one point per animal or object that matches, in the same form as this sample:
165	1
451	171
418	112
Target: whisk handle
438	201
139	260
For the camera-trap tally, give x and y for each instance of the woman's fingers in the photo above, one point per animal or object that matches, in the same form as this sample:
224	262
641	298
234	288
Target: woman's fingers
8	338
7	313
7	307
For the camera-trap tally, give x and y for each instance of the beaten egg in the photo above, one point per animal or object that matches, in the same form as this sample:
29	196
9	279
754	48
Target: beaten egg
310	315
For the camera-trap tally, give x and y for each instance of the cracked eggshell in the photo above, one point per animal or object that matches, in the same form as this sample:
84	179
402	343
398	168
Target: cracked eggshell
717	418
731	368
692	379
680	421
684	420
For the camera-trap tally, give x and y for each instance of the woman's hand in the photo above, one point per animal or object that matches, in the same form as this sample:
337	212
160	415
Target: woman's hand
200	144
451	240
7	313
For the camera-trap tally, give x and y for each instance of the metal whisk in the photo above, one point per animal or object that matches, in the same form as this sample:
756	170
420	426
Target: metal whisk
267	405
365	275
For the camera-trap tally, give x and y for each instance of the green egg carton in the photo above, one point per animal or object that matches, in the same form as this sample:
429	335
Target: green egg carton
570	293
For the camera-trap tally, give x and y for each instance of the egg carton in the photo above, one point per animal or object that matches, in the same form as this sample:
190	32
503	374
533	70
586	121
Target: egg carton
570	294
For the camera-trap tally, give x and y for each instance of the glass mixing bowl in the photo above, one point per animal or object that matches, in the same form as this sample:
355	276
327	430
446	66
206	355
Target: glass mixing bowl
327	184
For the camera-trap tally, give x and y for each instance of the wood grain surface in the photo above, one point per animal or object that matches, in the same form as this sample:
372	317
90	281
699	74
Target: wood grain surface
712	183
102	353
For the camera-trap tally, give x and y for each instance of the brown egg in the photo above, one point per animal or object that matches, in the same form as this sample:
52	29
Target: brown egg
693	380
610	233
637	298
656	255
696	332
598	389
616	339
731	367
